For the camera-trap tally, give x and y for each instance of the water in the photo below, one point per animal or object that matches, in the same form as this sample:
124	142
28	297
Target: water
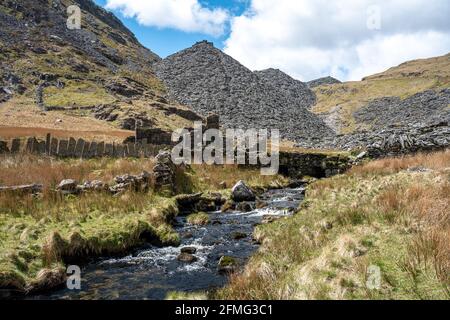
151	272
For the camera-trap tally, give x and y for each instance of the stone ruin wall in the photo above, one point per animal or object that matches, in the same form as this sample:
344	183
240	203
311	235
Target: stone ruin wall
79	148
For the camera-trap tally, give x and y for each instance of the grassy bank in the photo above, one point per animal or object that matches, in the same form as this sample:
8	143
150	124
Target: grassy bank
49	231
390	214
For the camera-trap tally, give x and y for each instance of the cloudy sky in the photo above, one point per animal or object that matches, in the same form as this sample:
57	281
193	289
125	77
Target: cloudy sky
308	39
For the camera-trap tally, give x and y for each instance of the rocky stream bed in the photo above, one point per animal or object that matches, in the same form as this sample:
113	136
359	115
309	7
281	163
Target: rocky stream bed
152	272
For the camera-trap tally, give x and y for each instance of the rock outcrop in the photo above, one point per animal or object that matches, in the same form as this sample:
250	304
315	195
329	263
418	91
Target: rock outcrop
208	80
241	192
393	126
103	56
425	107
322	81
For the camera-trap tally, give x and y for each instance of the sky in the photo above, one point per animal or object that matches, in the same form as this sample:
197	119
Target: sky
307	39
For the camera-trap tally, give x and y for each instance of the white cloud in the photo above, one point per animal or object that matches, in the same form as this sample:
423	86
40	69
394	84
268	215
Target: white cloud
313	38
185	15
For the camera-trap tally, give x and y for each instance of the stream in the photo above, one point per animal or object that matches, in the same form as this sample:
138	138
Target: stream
152	272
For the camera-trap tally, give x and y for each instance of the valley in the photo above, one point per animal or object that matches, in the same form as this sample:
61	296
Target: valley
88	178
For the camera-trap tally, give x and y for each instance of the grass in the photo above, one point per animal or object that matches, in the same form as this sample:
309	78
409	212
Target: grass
50	231
377	215
77	94
25	169
402	81
190	296
198	219
219	178
20	117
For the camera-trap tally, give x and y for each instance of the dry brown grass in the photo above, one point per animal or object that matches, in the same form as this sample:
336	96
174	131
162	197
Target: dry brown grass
427	206
207	177
26	169
399	219
20	117
435	161
109	136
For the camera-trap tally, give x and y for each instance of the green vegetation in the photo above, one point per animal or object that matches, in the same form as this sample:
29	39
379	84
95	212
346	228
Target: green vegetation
48	231
199	219
76	94
377	215
403	81
190	296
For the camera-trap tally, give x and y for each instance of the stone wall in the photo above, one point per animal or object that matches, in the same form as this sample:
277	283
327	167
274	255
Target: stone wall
317	165
80	148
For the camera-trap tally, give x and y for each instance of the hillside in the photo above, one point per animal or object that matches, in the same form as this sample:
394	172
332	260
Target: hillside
410	93
208	80
390	215
98	78
295	90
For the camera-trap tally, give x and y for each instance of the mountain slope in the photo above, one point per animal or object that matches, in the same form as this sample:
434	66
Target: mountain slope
407	91
99	77
322	81
208	80
293	89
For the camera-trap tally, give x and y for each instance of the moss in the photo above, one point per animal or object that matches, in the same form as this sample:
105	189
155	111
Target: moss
227	261
76	94
80	237
189	296
199	219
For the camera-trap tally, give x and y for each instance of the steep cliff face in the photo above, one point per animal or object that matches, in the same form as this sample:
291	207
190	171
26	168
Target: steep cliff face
208	80
99	73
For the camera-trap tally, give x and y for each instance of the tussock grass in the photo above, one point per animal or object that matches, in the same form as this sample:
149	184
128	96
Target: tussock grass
216	178
198	219
435	161
24	168
51	230
77	94
379	214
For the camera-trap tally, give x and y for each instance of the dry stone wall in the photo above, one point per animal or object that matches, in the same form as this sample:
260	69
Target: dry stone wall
80	148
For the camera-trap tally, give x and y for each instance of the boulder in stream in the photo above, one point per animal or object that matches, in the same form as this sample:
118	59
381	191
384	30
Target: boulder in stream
244	207
187	258
189	250
241	192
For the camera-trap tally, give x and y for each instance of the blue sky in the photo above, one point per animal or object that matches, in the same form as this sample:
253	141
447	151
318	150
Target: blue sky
307	39
166	41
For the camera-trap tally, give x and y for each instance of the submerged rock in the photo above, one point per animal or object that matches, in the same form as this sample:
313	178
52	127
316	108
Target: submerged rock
238	235
261	204
189	250
186	257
